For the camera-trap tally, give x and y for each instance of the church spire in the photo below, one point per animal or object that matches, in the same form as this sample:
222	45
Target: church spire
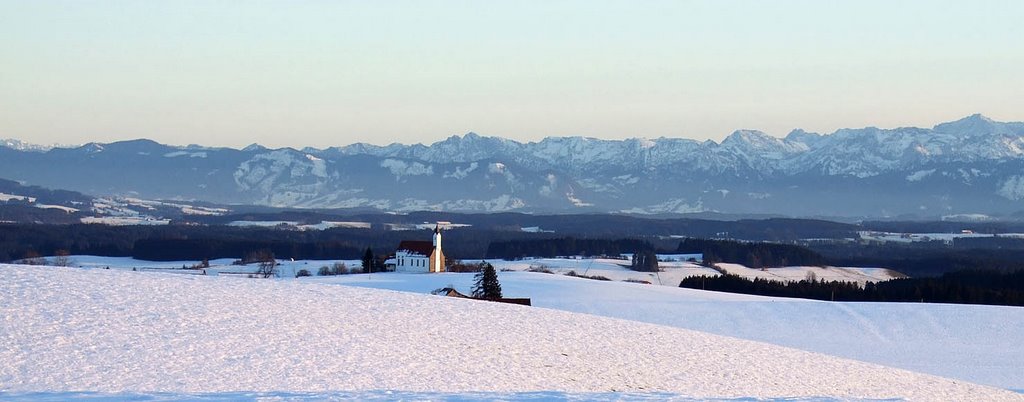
437	236
438	256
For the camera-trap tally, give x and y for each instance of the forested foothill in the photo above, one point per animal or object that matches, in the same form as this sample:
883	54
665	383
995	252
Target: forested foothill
944	226
751	254
924	258
505	240
579	225
62	197
565	246
170	243
972	287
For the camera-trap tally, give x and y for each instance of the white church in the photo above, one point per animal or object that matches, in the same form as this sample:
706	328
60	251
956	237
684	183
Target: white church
420	256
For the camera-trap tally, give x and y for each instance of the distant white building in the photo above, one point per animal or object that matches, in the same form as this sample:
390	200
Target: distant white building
420	256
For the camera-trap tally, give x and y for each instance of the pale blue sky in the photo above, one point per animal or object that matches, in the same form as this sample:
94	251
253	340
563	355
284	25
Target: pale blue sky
324	73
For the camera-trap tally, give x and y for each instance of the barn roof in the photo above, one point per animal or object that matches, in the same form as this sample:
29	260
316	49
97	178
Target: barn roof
419	247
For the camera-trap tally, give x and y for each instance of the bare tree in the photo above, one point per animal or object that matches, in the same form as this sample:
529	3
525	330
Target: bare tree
33	258
267	263
61	258
340	268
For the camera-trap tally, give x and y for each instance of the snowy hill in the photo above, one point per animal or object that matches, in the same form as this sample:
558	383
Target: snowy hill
972	343
969	166
133	333
968	342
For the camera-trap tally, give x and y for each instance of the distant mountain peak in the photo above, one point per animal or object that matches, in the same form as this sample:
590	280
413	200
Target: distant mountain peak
748	135
799	132
92	147
974	124
137	141
980	117
254	147
756	140
467	137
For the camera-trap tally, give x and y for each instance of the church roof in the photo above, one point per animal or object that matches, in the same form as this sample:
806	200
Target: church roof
419	247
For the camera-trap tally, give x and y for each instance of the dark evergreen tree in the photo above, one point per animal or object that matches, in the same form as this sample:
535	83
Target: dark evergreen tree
486	285
368	260
645	261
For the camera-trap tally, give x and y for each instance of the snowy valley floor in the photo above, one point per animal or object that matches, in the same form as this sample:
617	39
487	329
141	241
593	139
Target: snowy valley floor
68	330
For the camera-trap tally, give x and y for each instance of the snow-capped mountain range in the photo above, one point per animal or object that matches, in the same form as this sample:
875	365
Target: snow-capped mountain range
25	146
970	166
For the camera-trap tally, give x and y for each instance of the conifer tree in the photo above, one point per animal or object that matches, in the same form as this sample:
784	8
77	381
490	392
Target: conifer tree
486	285
645	261
368	261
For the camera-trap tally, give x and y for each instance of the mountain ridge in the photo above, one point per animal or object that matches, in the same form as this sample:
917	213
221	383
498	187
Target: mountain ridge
971	165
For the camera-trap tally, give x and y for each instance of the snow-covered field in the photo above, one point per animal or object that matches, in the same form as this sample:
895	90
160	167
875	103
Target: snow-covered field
790	274
973	343
918	237
4	197
125	220
672	272
222	266
323	225
120	333
613	269
968	342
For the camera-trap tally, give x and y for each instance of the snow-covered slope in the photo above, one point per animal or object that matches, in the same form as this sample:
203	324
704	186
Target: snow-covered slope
967	342
672	272
973	343
115	331
828	274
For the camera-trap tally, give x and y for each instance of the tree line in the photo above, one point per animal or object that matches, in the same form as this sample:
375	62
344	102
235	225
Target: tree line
564	246
173	242
191	242
922	258
751	254
198	249
943	226
969	287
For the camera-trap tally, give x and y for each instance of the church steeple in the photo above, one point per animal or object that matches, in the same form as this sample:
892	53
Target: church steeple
438	256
